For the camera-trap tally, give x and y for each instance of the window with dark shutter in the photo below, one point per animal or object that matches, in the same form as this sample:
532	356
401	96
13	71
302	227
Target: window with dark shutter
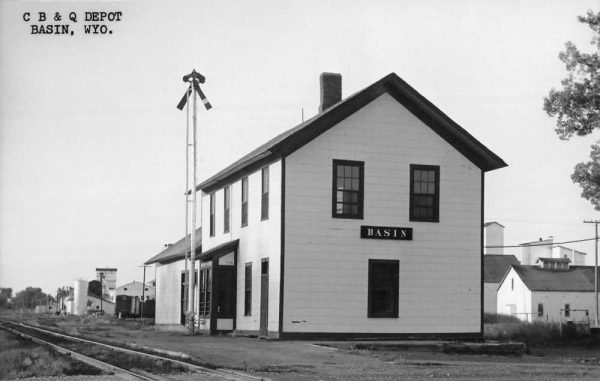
226	209
424	193
248	290
212	215
348	189
244	201
383	288
264	202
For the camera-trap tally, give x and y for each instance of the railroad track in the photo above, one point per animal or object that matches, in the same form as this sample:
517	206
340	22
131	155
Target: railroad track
63	344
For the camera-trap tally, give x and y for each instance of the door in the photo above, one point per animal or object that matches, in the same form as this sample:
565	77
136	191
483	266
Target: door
264	297
225	297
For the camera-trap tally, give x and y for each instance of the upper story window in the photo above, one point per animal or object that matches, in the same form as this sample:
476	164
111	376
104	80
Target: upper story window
264	201
348	189
244	201
424	193
212	215
226	209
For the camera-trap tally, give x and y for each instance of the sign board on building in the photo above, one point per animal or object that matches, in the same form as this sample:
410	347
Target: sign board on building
386	232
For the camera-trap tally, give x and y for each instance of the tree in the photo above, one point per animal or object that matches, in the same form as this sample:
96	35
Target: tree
5	296
577	105
30	297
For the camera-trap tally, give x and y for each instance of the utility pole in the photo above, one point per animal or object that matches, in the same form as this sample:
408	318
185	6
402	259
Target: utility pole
194	79
595	222
101	291
143	291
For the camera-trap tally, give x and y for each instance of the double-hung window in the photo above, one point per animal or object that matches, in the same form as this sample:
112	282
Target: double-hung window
425	193
348	189
244	201
212	215
226	209
264	201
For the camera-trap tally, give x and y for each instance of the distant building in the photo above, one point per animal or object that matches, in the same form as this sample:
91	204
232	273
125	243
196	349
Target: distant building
545	248
137	289
109	281
551	290
493	240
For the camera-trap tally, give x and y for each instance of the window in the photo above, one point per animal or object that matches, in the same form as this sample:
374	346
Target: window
146	289
204	296
512	284
424	193
125	289
348	189
226	208
383	288
540	310
264	202
244	201
248	290
212	215
567	310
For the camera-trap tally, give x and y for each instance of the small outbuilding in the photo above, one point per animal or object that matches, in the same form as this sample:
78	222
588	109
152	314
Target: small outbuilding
552	290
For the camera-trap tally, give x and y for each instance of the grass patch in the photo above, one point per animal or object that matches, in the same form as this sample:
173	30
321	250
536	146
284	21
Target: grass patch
20	358
535	334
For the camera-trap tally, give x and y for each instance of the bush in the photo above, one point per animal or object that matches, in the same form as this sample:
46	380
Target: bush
532	334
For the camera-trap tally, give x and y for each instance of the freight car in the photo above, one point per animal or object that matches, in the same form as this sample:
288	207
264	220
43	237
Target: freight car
127	306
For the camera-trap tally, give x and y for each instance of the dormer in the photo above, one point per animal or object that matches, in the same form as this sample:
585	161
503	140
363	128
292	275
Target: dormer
554	263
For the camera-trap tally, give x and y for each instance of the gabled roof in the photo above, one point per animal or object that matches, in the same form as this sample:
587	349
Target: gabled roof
136	282
496	265
291	140
491	223
576	278
178	249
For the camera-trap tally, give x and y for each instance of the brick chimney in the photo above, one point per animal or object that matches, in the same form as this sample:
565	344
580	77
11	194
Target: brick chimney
331	90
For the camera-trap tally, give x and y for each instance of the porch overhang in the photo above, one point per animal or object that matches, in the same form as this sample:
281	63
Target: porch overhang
220	250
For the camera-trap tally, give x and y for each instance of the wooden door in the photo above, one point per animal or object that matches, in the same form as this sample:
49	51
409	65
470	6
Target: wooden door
264	297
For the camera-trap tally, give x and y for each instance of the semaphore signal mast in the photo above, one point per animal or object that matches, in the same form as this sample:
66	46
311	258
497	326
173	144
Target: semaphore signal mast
194	79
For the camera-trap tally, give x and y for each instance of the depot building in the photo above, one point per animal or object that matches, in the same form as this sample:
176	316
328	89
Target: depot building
364	221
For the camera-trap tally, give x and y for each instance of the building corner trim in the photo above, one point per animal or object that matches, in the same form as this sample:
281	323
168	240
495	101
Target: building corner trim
482	301
282	248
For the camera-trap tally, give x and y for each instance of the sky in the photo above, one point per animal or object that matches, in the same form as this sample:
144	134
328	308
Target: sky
92	148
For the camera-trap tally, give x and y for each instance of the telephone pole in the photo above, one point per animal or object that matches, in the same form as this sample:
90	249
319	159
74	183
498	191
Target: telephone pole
595	222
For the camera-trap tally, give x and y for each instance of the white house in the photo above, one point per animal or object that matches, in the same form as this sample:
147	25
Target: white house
495	266
551	290
137	289
364	221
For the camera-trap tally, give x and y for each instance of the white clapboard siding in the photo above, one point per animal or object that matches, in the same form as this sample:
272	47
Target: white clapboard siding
513	296
168	292
326	261
258	240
